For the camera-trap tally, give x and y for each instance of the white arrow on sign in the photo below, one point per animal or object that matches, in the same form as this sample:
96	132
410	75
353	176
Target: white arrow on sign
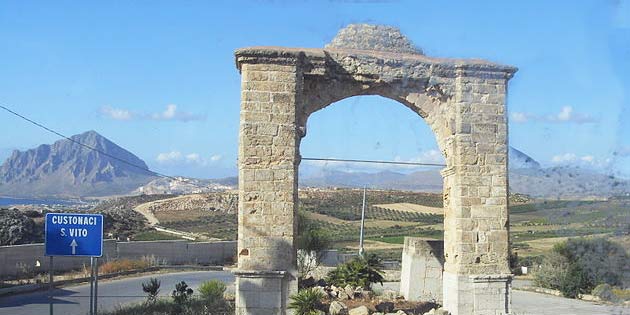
74	246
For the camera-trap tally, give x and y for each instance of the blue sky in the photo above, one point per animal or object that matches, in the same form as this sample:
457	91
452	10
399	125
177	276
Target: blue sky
158	77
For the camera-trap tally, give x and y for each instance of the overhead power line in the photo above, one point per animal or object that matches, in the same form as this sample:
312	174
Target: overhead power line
180	179
87	146
373	161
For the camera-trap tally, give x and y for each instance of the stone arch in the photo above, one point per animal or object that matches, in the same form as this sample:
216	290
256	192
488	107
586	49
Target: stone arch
463	101
415	95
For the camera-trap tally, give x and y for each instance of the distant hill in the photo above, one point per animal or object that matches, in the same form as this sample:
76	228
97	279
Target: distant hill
67	169
520	160
428	181
184	185
567	182
526	177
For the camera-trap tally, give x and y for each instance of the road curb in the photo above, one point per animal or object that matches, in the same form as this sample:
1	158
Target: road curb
27	288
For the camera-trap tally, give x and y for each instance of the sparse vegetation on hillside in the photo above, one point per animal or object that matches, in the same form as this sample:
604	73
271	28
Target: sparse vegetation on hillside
129	202
346	203
18	228
577	266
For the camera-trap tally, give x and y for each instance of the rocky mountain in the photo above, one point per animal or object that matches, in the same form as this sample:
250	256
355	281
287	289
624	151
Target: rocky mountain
520	160
68	169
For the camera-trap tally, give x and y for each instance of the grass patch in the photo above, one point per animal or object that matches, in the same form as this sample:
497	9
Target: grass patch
123	265
214	224
166	306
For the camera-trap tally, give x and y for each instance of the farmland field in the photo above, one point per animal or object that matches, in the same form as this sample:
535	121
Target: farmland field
535	224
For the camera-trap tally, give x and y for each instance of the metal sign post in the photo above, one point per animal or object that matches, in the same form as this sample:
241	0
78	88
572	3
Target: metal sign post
91	285
78	235
361	250
50	285
96	285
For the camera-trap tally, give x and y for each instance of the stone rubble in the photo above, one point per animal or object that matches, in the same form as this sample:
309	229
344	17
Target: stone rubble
337	308
361	310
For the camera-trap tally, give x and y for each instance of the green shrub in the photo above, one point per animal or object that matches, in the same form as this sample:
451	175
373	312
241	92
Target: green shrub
151	288
212	291
603	261
621	294
575	282
359	272
182	293
168	307
311	242
552	271
604	291
576	266
306	301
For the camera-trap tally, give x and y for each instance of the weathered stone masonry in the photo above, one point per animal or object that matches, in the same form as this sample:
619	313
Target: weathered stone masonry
463	101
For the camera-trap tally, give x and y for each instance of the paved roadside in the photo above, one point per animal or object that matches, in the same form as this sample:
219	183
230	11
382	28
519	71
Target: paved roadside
532	303
74	300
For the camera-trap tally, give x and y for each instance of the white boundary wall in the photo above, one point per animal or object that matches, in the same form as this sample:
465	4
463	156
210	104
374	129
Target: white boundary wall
18	259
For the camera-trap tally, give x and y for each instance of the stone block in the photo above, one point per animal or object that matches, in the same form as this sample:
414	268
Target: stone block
422	261
361	310
337	308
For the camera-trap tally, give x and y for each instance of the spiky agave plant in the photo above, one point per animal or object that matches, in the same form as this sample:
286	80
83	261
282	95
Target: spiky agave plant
306	301
151	288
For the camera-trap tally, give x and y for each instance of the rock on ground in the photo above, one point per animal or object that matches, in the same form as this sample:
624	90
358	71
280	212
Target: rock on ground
337	308
361	310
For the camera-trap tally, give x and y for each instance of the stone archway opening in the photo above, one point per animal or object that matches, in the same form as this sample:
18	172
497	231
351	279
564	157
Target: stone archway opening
372	127
463	101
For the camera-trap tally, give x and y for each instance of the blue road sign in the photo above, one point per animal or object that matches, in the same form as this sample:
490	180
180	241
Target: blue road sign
74	234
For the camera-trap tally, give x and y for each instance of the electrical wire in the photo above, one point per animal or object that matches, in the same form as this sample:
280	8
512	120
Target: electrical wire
88	146
372	161
185	180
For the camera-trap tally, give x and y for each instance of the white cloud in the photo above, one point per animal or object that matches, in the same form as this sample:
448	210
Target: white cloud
177	157
429	156
566	115
588	158
171	113
193	158
584	160
169	157
563	158
519	117
116	113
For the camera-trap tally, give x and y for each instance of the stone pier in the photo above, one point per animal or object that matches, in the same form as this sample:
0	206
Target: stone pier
422	267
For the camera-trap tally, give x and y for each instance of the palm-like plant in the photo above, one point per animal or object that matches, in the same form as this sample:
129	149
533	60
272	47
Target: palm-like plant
306	301
151	288
359	272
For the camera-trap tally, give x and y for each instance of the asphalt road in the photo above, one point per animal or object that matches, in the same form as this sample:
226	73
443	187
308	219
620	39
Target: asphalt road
74	300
